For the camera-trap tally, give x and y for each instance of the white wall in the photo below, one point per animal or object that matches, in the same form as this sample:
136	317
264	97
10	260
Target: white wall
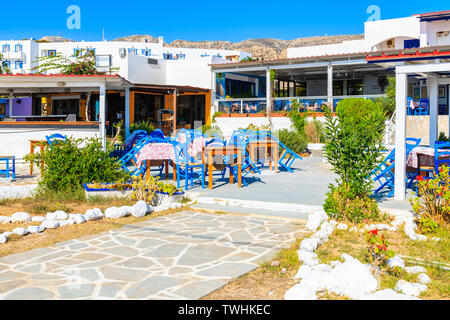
27	56
16	142
194	72
432	28
382	30
353	46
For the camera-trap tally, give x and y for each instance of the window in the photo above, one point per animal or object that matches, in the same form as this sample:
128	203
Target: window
181	56
5	48
355	87
168	56
239	89
146	52
7	64
90	50
19	64
77	52
414	43
204	55
18	48
132	51
51	53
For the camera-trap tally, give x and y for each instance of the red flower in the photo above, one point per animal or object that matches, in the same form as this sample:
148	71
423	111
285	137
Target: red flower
383	247
374	232
420	178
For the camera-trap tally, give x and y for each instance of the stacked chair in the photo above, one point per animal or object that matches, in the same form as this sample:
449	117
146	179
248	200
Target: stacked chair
54	139
384	173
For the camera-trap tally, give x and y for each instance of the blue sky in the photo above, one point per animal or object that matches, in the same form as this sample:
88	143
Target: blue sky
200	20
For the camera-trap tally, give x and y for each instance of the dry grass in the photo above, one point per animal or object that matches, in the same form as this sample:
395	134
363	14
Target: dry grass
18	244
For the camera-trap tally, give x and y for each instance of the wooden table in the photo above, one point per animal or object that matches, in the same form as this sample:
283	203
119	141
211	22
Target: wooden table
266	144
208	154
157	163
37	143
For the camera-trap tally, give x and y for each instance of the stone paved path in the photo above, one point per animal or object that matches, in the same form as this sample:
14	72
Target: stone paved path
180	256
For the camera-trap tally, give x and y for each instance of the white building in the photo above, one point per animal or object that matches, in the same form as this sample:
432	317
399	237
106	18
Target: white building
423	30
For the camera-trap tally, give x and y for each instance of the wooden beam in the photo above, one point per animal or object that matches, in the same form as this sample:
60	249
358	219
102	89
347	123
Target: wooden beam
174	111
208	106
132	104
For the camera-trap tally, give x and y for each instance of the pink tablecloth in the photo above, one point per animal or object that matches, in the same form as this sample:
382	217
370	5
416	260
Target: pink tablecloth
156	151
426	157
195	147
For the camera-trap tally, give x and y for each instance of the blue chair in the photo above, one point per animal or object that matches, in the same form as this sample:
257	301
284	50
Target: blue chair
422	110
158	134
408	106
55	139
131	157
187	167
288	157
384	173
10	168
441	155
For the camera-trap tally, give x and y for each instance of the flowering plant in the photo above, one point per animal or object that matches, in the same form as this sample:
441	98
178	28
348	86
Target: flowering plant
432	206
377	245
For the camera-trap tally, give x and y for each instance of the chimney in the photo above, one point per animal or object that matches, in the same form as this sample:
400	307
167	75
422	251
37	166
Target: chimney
161	41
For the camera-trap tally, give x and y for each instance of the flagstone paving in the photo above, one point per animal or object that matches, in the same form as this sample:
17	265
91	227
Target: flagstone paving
184	255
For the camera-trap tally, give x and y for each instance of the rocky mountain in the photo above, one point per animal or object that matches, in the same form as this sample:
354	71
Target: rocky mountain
259	48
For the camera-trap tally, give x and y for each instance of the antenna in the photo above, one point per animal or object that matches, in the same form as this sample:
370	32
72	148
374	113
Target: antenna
103	34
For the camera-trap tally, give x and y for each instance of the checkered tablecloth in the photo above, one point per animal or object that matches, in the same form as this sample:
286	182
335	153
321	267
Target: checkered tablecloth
426	157
156	151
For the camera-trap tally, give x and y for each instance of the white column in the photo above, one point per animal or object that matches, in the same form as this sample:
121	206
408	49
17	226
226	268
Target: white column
11	99
400	137
330	84
127	112
268	92
103	115
434	109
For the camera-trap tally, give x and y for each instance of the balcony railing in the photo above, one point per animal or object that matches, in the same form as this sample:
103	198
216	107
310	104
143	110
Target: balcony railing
305	104
13	55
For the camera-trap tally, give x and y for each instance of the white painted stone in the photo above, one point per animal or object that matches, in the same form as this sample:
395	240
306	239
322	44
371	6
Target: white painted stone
415	270
421	237
20	217
307	257
3	239
5	220
65	223
7	234
410	289
38	219
77	218
333	223
35	229
328	228
342	226
310	244
424	278
301	292
50	224
387	294
303	271
396	262
436	239
99	213
141	209
315	220
91	215
58	215
20	231
116	213
353	229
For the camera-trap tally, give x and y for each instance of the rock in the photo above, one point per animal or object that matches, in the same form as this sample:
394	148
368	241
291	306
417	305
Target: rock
5	220
342	226
424	278
35	229
20	217
303	271
396	262
116	213
20	231
415	270
283	270
410	229
421	237
353	229
436	239
7	234
275	264
3	239
65	223
301	292
99	213
141	209
38	219
328	228
58	215
387	294
321	235
315	220
410	289
333	223
310	244
307	257
382	227
334	264
77	218
50	224
91	215
351	279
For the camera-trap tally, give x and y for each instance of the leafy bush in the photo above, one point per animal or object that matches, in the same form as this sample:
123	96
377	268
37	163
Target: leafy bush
353	148
388	103
67	166
433	204
210	131
144	189
342	205
142	125
299	121
293	140
443	138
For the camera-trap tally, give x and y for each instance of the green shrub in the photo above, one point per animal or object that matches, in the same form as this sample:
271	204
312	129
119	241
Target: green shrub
293	140
210	130
443	138
353	148
67	166
142	125
299	121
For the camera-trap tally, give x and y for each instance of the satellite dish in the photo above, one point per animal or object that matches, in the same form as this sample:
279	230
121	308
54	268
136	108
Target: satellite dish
122	52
